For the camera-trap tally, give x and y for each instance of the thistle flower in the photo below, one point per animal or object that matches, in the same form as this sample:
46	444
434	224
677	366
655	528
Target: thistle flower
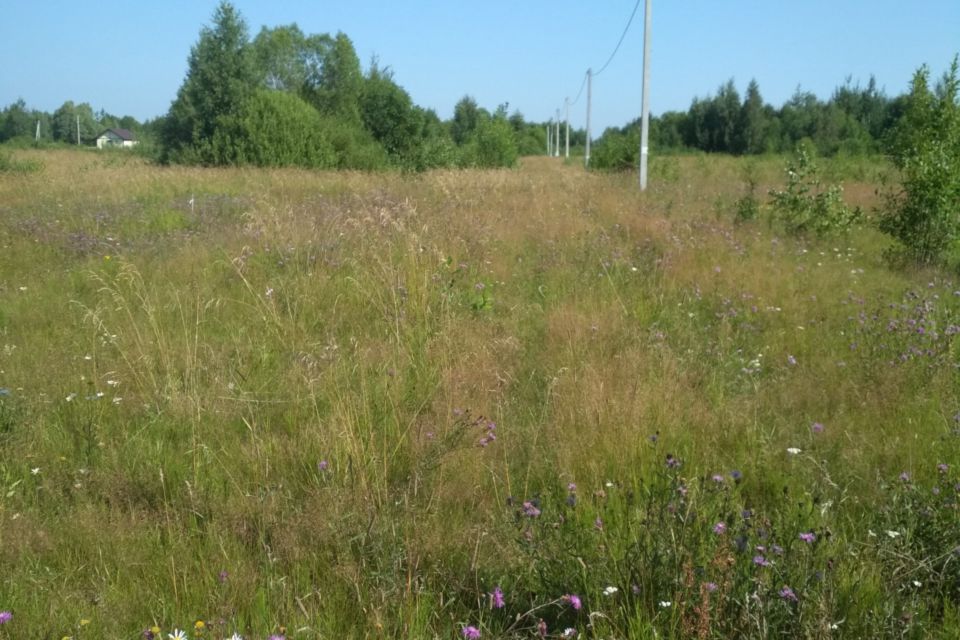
809	538
530	510
573	599
470	633
787	594
760	561
5	617
720	528
496	598
817	427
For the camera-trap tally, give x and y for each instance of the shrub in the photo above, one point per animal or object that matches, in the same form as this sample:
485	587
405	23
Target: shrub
924	216
808	205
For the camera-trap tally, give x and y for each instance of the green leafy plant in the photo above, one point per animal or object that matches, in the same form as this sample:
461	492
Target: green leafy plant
807	204
923	215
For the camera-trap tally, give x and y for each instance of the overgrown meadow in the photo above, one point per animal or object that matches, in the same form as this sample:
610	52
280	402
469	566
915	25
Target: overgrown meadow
497	404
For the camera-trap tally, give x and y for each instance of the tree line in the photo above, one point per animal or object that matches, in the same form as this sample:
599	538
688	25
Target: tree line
854	120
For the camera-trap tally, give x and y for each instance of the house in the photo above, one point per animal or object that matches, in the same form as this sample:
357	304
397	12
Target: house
116	138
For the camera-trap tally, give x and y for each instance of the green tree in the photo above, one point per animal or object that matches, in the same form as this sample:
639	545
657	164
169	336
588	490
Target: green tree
221	76
752	126
279	56
388	113
16	121
337	86
466	118
925	146
64	122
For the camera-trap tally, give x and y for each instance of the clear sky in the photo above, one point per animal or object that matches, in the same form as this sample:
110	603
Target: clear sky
129	58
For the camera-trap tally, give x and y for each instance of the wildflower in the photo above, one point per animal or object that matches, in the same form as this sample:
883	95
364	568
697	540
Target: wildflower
542	628
177	635
893	534
809	537
904	476
199	626
530	510
917	584
793	451
569	632
817	427
664	604
787	594
609	591
496	598
760	561
777	549
736	475
35	471
672	463
710	586
720	528
278	636
222	576
5	617
572	487
598	524
470	633
791	361
236	636
573	599
322	465
717	478
943	467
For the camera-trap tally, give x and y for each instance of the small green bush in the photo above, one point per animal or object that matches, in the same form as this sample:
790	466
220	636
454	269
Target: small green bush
806	204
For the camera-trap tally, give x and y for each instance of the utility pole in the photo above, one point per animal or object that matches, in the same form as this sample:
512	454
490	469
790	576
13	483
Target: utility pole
37	137
556	138
645	100
586	159
549	146
78	130
566	103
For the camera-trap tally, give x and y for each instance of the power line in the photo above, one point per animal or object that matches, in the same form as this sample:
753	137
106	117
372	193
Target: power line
622	36
580	92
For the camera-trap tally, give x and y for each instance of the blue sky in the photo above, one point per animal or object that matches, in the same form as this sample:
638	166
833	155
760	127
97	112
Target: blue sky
130	57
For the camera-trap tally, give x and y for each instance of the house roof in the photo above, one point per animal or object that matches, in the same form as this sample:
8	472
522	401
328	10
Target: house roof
123	134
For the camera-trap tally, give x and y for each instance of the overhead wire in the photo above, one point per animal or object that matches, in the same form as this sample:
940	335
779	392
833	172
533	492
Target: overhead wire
619	42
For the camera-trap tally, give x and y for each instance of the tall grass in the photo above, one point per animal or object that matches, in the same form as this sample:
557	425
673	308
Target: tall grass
350	405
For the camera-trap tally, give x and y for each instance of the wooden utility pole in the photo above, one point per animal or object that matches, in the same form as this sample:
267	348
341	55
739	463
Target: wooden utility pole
586	158
645	100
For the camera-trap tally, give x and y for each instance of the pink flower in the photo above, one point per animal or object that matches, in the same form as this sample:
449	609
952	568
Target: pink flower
470	633
497	598
573	599
808	537
720	528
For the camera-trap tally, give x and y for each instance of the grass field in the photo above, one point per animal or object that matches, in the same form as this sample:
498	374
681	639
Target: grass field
341	405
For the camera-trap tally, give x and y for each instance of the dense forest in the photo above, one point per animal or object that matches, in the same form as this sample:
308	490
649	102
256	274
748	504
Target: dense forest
288	98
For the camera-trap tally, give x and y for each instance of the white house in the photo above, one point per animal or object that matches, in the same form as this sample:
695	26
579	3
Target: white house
116	138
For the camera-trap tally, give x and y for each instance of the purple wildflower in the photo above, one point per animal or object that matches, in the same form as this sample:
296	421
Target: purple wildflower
791	361
470	633
737	475
571	487
787	594
322	465
222	576
530	510
817	427
710	586
809	537
497	598
672	463
598	524
760	561
717	478
904	476
278	636
720	528
573	599
5	617
777	549
943	467
542	628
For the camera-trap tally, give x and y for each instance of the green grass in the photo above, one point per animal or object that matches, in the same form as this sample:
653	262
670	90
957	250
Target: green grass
174	374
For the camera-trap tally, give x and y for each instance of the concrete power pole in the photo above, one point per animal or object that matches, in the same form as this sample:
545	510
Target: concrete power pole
549	138
37	138
566	152
78	130
586	158
556	137
645	100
